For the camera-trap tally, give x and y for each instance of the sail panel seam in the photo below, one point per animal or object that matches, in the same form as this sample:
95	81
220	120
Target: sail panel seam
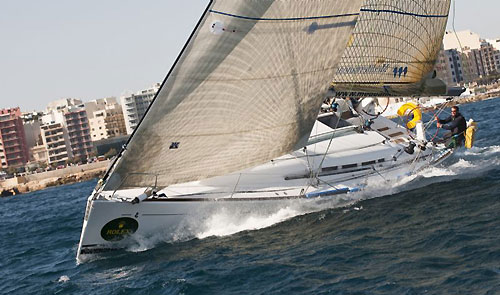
284	19
404	13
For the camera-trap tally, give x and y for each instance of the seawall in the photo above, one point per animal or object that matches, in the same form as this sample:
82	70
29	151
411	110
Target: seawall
39	181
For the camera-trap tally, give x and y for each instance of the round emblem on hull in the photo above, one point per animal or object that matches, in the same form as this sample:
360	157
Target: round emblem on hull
118	229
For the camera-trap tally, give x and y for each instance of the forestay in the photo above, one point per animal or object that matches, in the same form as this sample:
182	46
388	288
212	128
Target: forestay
246	89
393	49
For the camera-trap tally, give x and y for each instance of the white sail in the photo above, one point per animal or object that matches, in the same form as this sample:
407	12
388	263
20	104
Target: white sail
393	49
246	89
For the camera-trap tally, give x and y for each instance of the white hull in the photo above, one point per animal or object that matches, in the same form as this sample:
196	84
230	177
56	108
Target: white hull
354	161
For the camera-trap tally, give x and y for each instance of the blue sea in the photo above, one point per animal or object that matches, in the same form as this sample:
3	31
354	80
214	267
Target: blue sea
436	233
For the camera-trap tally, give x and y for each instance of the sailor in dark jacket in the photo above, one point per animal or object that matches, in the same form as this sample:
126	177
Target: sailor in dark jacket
456	124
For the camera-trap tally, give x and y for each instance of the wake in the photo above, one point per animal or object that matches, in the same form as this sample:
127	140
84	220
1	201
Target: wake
223	222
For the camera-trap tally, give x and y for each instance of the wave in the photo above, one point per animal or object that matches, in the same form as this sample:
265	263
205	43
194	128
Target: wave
227	221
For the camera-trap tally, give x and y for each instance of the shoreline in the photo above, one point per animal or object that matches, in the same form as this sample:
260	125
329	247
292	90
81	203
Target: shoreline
39	181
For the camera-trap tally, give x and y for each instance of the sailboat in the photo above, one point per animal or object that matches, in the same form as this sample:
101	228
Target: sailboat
393	50
235	123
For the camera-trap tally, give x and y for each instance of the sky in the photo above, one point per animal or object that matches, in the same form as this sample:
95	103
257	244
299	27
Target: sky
91	49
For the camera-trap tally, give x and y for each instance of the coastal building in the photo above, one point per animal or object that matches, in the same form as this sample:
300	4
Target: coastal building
39	154
31	123
98	104
449	67
78	129
68	119
491	58
478	57
56	141
13	149
135	106
105	118
52	117
462	40
62	104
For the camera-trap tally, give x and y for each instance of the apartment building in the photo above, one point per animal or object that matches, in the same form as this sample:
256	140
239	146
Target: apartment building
491	58
449	67
135	106
105	118
78	127
477	57
56	141
13	149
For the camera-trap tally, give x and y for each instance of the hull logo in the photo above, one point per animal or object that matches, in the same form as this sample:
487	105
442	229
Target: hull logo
118	229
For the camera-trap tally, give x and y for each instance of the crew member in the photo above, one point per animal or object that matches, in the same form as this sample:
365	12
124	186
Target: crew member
456	124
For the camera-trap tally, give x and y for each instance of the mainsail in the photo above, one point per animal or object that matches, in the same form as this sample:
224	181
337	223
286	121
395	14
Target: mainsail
246	89
393	50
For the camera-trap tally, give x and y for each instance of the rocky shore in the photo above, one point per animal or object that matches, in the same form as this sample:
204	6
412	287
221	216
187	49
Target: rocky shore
39	181
478	97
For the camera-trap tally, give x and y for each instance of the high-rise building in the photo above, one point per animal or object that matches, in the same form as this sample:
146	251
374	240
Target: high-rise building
135	106
13	149
449	67
491	58
477	57
78	127
68	118
56	142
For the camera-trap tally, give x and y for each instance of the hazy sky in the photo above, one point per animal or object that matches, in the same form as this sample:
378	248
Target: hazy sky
92	49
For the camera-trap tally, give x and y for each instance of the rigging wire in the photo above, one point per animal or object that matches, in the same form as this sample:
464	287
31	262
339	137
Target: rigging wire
328	147
462	54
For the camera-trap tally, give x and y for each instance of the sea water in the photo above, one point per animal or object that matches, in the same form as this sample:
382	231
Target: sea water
437	232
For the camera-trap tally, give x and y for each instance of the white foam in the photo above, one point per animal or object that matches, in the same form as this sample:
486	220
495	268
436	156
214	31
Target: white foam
494	149
462	163
227	223
63	279
476	151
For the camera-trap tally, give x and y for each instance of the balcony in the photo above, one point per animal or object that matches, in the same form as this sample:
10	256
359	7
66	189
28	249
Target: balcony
10	139
13	151
12	144
19	157
7	125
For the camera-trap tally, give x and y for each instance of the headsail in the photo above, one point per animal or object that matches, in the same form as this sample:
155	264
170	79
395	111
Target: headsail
246	89
393	50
